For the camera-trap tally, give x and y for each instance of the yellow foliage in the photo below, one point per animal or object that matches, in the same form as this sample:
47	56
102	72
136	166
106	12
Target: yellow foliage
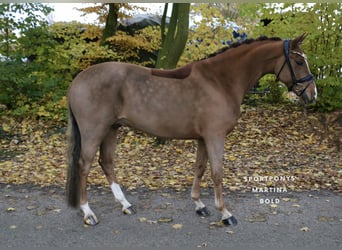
129	47
208	36
92	32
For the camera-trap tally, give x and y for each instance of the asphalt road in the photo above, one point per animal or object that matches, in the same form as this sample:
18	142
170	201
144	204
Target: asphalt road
31	216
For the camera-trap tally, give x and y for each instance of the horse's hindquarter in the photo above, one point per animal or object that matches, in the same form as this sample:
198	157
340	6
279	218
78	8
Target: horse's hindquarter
93	94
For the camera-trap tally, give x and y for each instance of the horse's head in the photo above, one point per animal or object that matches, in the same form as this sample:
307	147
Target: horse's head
294	70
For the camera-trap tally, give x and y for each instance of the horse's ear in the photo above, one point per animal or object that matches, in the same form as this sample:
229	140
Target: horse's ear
298	41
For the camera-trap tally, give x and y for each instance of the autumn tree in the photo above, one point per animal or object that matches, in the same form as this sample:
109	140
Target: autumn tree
130	47
109	14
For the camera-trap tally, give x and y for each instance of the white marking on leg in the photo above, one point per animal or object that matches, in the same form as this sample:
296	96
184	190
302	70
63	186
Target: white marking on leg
119	196
86	209
226	214
88	213
199	204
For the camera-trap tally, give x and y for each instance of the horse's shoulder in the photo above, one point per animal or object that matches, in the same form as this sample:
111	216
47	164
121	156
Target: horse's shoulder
179	73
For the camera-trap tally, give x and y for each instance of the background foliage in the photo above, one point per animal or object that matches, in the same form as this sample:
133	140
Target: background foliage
38	61
323	23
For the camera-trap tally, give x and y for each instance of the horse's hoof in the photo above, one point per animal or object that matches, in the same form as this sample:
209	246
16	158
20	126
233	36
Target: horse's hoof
203	212
91	220
231	221
129	211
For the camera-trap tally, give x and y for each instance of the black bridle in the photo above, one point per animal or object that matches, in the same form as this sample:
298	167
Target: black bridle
309	78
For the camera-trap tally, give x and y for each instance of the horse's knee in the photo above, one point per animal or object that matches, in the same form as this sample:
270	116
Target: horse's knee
85	164
217	175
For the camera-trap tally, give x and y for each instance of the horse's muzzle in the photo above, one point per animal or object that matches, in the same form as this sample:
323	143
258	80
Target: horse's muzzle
309	94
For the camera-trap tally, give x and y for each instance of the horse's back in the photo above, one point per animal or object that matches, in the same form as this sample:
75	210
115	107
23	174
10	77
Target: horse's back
108	71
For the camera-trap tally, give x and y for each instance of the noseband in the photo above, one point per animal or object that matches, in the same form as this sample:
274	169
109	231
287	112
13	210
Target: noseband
309	78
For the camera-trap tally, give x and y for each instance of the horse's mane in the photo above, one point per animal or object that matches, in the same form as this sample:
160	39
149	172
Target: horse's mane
246	41
183	72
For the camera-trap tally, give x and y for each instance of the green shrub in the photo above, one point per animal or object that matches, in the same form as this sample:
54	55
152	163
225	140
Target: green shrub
329	94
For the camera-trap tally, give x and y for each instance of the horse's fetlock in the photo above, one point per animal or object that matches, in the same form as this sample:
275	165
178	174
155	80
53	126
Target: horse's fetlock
195	196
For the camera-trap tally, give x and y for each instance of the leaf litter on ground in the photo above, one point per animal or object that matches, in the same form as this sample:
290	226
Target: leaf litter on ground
268	141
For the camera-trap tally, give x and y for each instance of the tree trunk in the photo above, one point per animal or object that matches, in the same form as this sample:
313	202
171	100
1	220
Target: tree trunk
173	42
111	22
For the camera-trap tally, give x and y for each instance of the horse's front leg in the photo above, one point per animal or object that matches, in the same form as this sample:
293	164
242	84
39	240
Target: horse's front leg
215	149
199	168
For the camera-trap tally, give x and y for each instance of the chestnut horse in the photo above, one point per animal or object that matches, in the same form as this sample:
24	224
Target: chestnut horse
198	101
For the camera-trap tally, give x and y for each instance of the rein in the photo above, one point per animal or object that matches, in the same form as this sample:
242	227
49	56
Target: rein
309	78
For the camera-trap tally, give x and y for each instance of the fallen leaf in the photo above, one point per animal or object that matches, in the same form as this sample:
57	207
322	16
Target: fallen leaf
41	212
234	188
31	207
57	210
10	209
216	224
177	226
326	218
286	199
305	229
257	218
142	219
232	158
165	219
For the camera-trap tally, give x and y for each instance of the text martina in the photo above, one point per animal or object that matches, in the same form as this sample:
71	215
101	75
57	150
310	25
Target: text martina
279	186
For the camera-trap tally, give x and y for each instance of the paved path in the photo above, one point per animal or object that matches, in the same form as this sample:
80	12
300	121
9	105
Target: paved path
31	216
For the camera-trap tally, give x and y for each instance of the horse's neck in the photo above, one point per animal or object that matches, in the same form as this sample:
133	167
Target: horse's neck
242	67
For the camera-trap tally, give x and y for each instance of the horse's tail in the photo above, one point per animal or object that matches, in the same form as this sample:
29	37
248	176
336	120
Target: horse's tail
74	151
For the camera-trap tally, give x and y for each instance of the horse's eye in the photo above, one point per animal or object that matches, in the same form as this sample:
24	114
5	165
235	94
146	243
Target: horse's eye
300	63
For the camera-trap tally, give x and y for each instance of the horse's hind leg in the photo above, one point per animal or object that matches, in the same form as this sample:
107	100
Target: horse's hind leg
87	155
200	166
106	160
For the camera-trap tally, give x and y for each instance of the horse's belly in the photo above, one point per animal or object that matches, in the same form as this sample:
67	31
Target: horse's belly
161	127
